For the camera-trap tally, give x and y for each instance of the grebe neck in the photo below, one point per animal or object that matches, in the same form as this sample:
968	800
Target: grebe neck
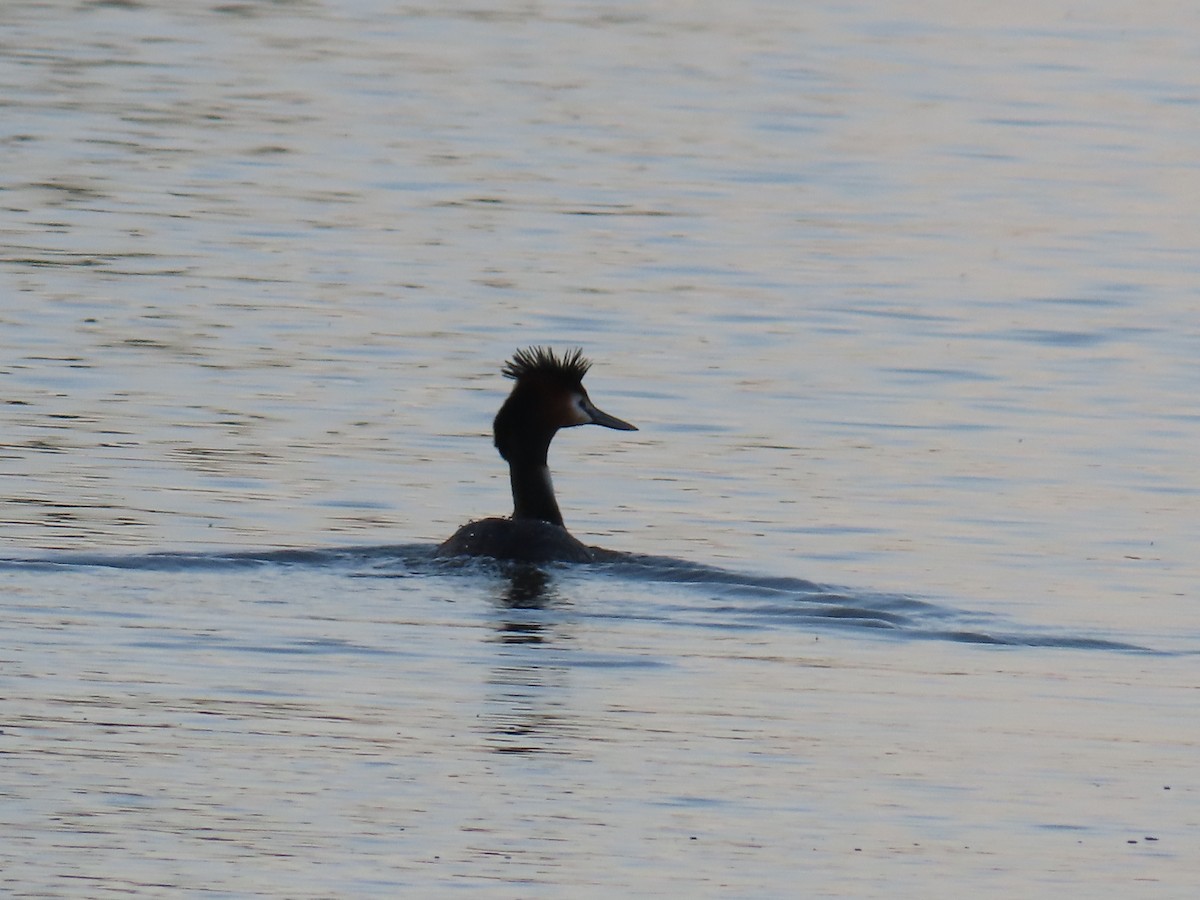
533	493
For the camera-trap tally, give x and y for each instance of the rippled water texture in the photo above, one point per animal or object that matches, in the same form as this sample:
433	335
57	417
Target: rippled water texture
902	297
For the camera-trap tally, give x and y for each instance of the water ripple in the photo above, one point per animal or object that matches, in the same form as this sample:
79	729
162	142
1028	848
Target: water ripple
699	595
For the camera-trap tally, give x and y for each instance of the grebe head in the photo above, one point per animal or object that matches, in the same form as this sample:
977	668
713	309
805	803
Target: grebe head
548	395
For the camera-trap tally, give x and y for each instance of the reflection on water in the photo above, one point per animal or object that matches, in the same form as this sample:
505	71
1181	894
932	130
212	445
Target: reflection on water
527	704
528	588
526	709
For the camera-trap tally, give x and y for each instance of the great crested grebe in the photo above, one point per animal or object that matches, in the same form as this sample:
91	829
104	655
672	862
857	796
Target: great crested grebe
548	395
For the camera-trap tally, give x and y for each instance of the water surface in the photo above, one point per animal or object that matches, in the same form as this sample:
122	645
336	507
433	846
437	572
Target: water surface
902	298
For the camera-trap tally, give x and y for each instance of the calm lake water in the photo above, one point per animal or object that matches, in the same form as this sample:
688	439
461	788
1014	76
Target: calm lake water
903	297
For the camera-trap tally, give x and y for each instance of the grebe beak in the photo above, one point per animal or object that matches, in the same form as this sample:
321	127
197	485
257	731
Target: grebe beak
599	417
